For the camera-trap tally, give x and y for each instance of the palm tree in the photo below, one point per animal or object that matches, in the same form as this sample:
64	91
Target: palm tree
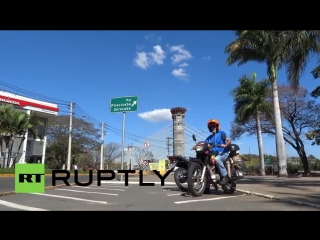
250	101
28	124
316	72
263	47
15	123
276	48
299	46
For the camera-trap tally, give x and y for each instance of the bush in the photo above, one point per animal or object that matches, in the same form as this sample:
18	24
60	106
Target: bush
293	168
251	170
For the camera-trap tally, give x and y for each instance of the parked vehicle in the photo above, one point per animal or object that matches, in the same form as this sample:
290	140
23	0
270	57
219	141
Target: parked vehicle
202	172
180	168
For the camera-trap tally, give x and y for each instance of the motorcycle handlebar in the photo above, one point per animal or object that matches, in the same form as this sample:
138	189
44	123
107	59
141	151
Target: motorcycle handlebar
219	146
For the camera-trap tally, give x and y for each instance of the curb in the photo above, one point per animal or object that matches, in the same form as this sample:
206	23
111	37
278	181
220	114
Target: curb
46	188
287	200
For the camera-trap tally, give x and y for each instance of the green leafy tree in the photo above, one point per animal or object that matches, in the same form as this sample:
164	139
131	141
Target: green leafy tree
15	123
275	48
85	139
314	134
250	102
299	113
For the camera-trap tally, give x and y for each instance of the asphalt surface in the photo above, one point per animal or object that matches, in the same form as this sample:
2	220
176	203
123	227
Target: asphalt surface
114	195
7	183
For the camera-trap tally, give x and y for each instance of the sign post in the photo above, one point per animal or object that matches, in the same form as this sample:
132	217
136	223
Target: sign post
124	105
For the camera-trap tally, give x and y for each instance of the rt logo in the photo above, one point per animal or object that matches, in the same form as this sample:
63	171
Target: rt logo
29	178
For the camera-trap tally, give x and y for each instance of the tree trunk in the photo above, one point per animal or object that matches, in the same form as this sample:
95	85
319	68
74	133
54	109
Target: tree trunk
304	160
260	145
10	152
280	146
7	140
22	140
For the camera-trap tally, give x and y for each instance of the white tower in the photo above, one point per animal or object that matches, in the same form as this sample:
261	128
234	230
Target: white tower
178	114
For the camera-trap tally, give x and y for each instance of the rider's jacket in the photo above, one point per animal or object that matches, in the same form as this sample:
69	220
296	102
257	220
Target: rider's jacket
217	139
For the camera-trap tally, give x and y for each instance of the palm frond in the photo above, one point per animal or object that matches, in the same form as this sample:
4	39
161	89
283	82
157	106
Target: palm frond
316	93
250	97
316	72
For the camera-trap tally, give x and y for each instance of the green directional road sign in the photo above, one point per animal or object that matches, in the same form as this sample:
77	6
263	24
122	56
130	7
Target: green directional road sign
124	104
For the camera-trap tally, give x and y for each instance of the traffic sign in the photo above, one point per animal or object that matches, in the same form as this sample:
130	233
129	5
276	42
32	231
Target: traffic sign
124	104
146	144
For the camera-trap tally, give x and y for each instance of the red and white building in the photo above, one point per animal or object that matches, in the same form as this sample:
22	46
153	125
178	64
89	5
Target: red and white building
32	150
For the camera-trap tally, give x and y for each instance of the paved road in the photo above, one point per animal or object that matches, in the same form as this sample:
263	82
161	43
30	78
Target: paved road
306	189
7	183
114	195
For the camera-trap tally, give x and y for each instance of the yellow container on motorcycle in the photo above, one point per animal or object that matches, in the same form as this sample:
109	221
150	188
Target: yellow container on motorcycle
213	160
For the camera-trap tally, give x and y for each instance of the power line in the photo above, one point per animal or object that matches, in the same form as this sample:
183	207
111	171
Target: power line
32	94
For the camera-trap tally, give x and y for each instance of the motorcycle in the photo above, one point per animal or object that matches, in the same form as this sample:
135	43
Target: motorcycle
180	171
203	171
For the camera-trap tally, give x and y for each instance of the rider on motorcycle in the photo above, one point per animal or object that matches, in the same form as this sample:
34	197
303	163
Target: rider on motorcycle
219	137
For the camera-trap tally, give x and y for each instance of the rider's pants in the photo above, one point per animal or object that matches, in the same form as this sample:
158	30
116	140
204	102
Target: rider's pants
220	159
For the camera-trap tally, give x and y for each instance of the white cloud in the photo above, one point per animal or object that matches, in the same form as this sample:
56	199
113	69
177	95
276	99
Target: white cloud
206	58
181	55
144	59
156	115
183	65
238	143
158	55
141	60
153	38
180	73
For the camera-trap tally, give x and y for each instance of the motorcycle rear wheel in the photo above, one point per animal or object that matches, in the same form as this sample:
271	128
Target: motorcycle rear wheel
191	179
177	176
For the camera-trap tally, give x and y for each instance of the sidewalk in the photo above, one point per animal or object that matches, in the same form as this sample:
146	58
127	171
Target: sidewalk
304	191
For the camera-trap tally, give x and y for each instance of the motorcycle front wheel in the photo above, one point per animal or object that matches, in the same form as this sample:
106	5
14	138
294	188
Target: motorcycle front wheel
195	187
180	175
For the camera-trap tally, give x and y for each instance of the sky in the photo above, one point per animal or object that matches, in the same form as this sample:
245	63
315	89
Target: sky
165	69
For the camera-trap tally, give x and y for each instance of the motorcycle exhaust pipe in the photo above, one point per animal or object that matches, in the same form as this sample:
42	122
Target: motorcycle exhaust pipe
229	169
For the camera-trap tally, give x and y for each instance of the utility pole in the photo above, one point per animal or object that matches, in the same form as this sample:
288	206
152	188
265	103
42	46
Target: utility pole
70	136
122	145
129	150
168	144
102	145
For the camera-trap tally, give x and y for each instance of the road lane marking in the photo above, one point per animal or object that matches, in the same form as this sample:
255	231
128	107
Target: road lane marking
69	190
207	199
113	189
113	186
21	207
72	198
176	194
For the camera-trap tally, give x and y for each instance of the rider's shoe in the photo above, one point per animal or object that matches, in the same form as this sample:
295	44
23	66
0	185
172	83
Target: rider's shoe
224	180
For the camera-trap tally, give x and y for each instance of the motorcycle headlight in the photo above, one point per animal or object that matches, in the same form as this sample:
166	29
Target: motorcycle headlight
199	148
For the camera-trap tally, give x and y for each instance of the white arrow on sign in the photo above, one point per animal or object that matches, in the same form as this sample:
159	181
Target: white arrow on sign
134	103
146	144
